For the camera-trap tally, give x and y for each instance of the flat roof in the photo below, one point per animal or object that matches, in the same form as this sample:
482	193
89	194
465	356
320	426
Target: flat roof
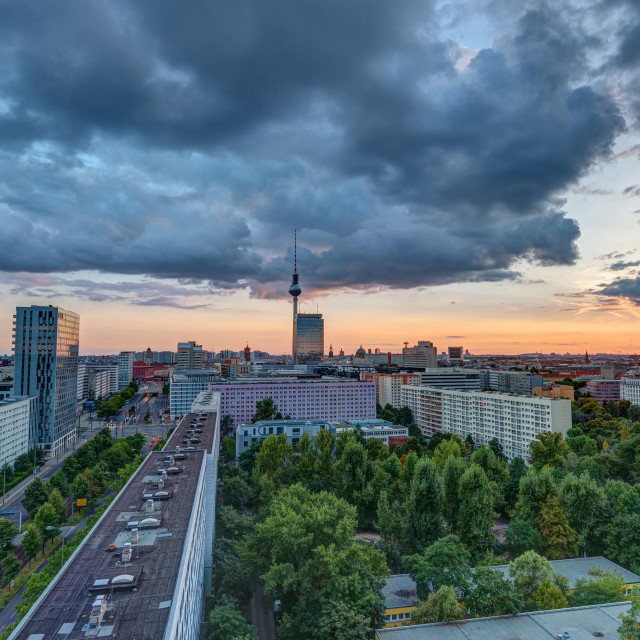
399	591
582	623
155	561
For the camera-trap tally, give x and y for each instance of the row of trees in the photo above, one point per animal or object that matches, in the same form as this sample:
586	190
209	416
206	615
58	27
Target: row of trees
85	474
108	408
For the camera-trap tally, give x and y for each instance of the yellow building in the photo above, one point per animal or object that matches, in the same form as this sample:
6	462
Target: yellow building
557	391
400	597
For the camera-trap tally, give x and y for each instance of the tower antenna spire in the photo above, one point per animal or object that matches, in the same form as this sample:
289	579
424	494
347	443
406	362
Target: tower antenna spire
295	251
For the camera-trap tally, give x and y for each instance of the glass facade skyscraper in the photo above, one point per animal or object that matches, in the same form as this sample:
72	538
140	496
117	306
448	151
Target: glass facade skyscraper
309	337
46	343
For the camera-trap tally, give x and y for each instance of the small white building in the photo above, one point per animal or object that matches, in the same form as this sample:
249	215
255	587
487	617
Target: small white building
630	390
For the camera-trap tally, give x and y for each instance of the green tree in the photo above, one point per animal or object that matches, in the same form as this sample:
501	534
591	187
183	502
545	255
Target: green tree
339	622
517	469
31	542
235	525
7	533
445	562
236	492
46	520
441	606
522	535
10	567
559	539
451	474
59	481
549	449
604	586
404	416
582	500
475	522
225	623
6	473
623	542
59	506
80	487
166	389
425	507
549	596
444	450
496	447
528	572
35	495
353	475
535	487
492	594
228	449
232	577
389	523
629	629
265	410
275	463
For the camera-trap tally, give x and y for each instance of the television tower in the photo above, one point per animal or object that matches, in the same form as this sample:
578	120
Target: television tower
295	290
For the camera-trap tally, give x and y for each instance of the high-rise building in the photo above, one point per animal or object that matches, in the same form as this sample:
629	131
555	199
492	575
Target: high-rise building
309	337
389	385
512	381
630	389
424	354
125	369
46	366
452	378
247	353
190	356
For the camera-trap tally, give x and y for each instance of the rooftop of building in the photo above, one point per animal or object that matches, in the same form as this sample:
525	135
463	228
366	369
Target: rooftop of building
140	591
579	623
400	591
12	400
268	381
288	423
476	392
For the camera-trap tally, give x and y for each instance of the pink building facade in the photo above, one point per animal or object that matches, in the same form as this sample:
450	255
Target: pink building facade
604	390
315	399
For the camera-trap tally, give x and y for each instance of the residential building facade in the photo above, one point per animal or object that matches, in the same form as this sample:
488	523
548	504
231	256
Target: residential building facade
46	366
185	386
321	399
389	385
514	420
452	378
630	389
604	390
513	381
247	434
17	427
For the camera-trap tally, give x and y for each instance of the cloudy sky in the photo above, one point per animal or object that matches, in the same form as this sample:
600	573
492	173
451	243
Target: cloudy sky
464	171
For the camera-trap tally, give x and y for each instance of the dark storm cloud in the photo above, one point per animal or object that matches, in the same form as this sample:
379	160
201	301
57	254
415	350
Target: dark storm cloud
628	288
187	140
622	265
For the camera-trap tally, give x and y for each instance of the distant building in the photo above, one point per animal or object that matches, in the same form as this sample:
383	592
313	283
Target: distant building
190	356
166	357
247	434
309	337
513	381
17	427
6	389
423	355
630	389
46	366
604	390
389	385
513	419
455	355
97	384
125	369
612	371
247	353
323	399
81	390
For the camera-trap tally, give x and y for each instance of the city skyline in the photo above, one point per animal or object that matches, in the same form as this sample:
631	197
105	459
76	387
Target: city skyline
460	169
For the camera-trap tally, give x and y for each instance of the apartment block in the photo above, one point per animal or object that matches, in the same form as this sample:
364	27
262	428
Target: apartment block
299	400
452	378
185	386
190	356
125	369
515	420
604	390
17	427
513	381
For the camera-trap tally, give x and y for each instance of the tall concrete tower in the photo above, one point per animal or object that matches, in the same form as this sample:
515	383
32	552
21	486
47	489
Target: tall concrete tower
295	290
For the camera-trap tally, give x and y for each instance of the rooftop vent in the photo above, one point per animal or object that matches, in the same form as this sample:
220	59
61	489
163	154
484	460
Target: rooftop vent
123	578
